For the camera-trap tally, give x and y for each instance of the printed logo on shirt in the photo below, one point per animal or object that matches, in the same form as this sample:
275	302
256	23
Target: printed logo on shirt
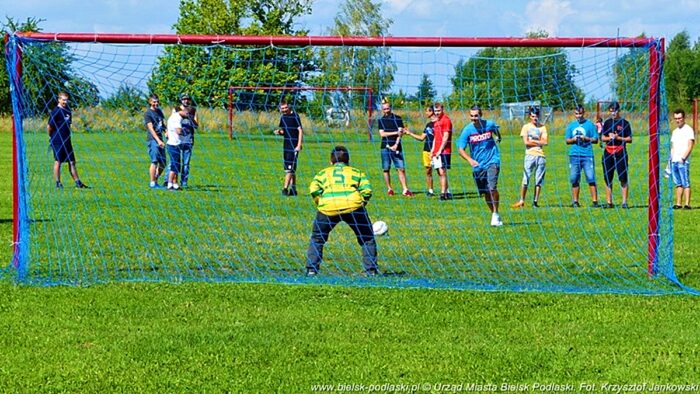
534	133
477	138
579	132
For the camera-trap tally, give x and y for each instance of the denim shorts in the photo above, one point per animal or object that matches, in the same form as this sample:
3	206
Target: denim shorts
538	164
390	156
156	153
576	163
681	174
175	161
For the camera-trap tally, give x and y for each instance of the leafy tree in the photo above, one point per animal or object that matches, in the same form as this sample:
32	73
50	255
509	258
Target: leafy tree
207	72
498	75
126	97
631	77
693	73
358	66
426	91
681	71
46	70
630	82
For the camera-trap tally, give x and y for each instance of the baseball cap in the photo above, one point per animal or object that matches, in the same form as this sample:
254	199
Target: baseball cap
184	96
615	106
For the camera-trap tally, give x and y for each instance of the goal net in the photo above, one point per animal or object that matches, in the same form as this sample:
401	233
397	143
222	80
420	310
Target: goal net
232	222
330	103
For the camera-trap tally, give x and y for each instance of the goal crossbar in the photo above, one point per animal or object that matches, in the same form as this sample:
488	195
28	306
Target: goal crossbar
568	42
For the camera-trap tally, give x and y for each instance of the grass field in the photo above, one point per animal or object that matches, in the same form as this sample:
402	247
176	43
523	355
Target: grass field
274	337
121	230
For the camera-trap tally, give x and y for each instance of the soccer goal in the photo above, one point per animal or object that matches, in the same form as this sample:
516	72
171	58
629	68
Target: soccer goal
333	102
232	223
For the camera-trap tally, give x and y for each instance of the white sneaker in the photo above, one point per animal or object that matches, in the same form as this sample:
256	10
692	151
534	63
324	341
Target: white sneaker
496	220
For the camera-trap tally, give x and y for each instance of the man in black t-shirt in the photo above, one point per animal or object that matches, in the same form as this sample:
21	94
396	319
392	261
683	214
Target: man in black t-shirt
154	121
390	128
616	134
290	128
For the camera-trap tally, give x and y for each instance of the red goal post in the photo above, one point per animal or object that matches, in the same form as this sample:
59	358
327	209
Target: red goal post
232	90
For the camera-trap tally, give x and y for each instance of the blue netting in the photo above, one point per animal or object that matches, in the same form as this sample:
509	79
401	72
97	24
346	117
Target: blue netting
233	224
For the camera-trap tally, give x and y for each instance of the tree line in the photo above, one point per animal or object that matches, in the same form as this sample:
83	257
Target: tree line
206	72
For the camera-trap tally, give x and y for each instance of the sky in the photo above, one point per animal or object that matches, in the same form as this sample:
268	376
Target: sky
410	18
446	18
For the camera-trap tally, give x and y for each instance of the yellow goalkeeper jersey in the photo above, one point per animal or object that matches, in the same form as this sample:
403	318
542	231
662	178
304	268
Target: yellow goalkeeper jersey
340	189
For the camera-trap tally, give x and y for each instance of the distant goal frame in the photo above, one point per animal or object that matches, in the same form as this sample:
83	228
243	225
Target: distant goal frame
368	91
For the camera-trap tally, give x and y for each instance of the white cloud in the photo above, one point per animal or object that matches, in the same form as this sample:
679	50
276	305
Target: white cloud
547	15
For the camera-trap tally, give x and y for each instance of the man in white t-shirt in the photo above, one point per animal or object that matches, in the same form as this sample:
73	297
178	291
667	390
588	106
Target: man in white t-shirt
173	145
682	141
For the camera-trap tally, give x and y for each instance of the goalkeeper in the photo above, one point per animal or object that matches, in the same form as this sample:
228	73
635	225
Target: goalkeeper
340	193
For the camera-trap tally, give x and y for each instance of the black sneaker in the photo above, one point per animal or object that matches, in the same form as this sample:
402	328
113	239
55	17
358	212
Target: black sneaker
372	272
595	204
624	206
285	192
59	185
443	197
448	196
575	204
535	205
81	185
292	191
677	207
687	207
430	194
609	205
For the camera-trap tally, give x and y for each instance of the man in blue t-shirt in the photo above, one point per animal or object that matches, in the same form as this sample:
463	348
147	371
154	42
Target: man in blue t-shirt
485	158
290	128
581	134
58	128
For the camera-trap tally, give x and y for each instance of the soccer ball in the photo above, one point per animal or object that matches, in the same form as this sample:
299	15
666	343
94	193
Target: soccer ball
380	228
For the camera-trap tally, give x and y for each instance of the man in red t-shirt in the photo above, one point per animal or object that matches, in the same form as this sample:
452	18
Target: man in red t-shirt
442	149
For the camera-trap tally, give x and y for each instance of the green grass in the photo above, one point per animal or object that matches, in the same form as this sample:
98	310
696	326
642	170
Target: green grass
121	230
272	337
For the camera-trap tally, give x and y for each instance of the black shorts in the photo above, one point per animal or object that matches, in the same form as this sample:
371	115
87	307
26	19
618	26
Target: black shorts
615	162
63	153
290	161
446	161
